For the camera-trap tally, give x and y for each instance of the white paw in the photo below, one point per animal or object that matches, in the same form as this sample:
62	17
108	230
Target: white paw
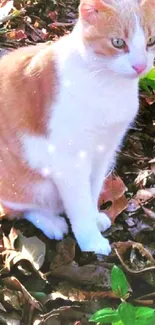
95	243
59	228
54	227
103	221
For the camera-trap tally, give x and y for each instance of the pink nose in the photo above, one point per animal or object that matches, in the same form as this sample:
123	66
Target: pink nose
139	67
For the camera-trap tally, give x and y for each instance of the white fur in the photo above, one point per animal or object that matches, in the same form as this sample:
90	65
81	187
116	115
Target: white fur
54	227
97	102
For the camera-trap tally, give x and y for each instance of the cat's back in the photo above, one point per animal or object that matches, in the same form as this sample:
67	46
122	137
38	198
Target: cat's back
28	87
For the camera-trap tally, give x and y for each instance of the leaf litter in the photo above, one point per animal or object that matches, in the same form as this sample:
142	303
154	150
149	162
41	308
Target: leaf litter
49	282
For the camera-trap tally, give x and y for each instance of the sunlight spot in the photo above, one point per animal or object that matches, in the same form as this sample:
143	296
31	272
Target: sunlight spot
67	83
100	148
45	171
51	148
82	154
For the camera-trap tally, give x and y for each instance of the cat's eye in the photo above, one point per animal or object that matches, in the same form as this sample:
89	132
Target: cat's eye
151	41
119	43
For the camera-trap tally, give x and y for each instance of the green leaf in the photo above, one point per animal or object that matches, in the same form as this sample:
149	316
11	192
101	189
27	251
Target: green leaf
127	313
148	81
119	283
151	74
106	315
145	84
118	323
145	316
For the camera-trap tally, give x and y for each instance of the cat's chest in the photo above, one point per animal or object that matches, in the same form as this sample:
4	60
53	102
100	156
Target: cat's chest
95	103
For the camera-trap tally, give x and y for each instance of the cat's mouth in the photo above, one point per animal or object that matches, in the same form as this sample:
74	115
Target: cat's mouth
137	75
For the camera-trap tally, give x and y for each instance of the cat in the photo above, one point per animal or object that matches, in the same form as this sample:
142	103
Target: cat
64	111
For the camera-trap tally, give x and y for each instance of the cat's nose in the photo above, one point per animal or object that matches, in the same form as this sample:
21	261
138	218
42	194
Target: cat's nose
139	68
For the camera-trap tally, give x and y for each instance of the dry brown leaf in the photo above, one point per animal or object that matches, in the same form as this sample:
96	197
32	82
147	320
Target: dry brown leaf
92	275
124	251
53	15
141	179
117	207
146	194
142	196
12	298
14	284
16	34
113	191
152	163
75	294
8	251
32	249
149	213
65	252
9	318
2	213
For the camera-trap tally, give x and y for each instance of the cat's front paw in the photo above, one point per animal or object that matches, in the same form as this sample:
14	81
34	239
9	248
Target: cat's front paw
103	221
57	229
95	243
54	227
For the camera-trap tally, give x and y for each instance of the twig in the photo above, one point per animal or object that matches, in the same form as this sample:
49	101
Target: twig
34	30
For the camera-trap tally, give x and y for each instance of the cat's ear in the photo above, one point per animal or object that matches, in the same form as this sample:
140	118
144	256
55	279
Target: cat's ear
145	2
90	9
141	2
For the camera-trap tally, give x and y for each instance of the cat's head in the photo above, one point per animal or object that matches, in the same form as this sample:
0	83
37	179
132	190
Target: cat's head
122	32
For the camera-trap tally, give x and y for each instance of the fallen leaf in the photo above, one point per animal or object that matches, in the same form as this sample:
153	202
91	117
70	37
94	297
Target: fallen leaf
95	276
141	179
113	191
146	194
14	284
117	207
8	251
152	163
149	213
53	15
134	257
142	196
2	213
9	318
65	252
16	34
12	298
33	249
2	307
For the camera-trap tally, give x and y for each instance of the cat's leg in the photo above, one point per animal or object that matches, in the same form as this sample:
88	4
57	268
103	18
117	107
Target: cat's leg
97	180
75	191
53	226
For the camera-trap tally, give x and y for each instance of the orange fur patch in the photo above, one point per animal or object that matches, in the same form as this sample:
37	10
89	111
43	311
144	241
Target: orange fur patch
28	86
148	17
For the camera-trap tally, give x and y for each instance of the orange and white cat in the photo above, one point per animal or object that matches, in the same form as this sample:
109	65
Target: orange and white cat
64	110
